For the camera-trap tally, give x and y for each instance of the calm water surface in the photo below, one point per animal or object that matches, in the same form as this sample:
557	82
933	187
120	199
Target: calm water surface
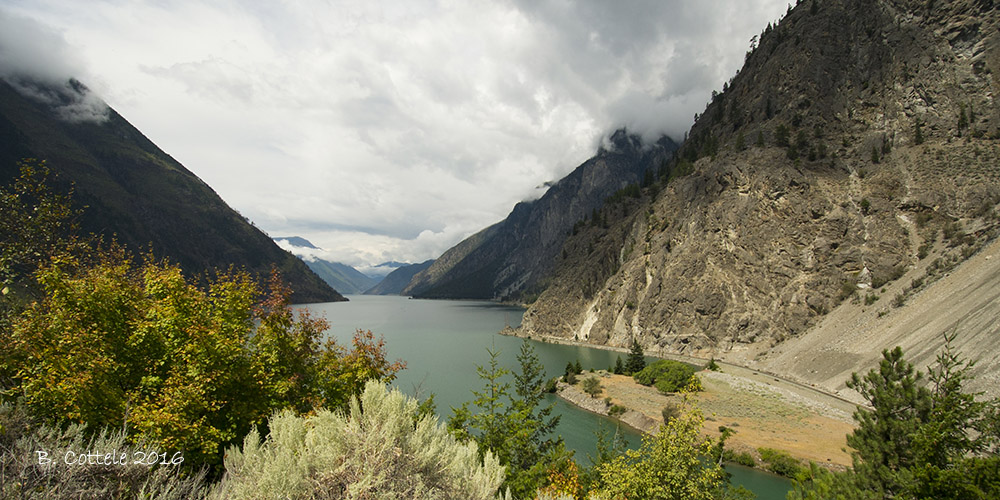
442	342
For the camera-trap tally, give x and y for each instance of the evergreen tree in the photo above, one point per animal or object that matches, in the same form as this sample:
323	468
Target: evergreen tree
917	441
510	424
577	368
531	446
781	134
636	359
619	366
884	438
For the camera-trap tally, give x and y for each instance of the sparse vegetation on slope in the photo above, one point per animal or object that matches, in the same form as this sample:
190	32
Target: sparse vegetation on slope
755	245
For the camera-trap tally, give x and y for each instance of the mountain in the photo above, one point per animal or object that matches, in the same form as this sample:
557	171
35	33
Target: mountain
135	192
819	210
513	257
341	277
396	281
297	241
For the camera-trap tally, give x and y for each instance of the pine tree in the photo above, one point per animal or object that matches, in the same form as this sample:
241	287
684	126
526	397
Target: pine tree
510	425
619	366
781	136
919	440
636	359
884	438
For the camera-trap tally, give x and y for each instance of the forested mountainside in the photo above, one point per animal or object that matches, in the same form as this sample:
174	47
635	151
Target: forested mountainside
513	258
857	149
136	193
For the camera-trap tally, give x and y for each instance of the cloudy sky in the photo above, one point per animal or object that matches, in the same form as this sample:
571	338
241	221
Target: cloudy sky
386	130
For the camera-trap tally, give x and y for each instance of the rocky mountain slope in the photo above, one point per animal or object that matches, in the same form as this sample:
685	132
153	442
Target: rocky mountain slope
858	147
396	281
512	258
136	193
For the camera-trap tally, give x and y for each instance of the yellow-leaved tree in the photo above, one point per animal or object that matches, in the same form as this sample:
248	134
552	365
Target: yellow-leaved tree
675	464
102	340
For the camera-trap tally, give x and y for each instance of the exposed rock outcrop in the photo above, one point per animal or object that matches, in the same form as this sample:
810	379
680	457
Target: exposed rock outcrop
512	259
856	133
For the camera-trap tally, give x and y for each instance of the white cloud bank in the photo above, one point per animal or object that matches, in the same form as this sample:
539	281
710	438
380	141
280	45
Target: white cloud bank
32	54
391	130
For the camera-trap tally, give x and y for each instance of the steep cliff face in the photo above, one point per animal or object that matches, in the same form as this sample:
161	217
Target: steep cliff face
513	257
858	137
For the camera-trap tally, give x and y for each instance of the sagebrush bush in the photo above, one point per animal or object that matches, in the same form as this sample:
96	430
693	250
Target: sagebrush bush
24	474
373	450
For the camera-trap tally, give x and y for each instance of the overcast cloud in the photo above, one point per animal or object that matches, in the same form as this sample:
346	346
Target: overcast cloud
385	130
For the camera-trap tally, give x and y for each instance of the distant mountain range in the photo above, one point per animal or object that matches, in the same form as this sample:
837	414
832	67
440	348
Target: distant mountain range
136	193
342	277
396	281
387	278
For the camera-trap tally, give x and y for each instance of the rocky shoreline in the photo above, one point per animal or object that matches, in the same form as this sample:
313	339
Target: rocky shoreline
631	418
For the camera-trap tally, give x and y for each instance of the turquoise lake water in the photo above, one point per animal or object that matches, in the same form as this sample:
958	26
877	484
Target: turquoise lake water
442	342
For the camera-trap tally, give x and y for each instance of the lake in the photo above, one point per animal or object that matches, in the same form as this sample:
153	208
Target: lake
443	341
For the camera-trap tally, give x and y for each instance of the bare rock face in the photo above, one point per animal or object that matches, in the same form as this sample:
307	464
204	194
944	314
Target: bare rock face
512	258
856	133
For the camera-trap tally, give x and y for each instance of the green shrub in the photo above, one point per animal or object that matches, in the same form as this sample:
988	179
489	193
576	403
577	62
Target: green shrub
550	386
670	412
780	462
645	377
592	386
666	375
847	289
899	300
923	218
743	458
374	450
617	410
923	250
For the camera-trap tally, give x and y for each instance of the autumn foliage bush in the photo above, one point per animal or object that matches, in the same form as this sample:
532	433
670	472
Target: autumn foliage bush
99	339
